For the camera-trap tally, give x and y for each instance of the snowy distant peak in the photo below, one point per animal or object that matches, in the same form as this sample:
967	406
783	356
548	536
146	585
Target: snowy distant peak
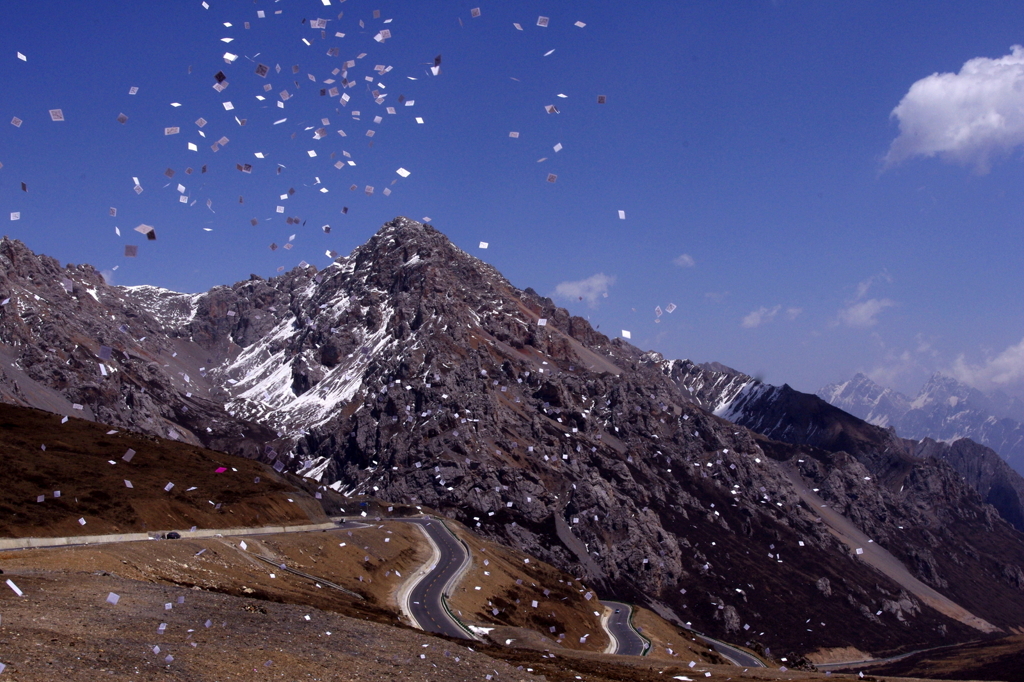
945	410
943	389
864	398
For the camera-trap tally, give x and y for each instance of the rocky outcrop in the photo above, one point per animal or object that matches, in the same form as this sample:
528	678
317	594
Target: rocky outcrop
898	491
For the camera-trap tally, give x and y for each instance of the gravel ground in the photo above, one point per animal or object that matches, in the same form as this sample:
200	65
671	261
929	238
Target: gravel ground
64	627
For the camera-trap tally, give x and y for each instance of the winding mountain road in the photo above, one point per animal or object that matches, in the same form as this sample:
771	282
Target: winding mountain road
627	641
423	598
734	655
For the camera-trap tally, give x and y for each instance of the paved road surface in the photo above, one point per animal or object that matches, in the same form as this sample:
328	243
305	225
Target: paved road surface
75	540
425	596
630	643
735	655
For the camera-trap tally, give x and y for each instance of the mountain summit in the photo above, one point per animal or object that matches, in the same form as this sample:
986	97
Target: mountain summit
411	371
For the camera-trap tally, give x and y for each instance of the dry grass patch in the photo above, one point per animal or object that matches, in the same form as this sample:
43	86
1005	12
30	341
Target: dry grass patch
511	582
667	637
85	466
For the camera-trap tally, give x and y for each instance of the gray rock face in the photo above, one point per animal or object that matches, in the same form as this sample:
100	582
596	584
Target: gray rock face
896	490
945	410
413	372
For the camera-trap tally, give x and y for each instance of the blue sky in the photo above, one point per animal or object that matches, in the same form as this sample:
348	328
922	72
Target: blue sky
750	145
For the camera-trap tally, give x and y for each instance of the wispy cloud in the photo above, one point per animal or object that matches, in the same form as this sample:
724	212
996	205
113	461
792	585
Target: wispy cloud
793	313
865	286
684	260
864	314
1001	371
968	117
590	289
760	316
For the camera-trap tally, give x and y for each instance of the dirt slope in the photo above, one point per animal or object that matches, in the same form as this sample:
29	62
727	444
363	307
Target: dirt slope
40	457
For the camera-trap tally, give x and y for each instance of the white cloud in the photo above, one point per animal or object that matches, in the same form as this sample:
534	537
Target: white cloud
760	316
865	286
1001	371
894	370
967	117
684	261
864	313
590	289
793	313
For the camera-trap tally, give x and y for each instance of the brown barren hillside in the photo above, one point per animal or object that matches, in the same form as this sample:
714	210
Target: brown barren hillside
57	474
1000	659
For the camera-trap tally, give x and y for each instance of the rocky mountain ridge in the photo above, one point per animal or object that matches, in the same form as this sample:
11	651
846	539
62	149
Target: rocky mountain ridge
800	418
411	371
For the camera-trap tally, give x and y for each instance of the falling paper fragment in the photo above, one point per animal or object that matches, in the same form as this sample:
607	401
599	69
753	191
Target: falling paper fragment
10	584
113	598
483	245
404	173
622	215
626	334
56	115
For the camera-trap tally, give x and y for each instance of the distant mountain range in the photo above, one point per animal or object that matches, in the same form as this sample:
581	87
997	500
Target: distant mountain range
945	410
413	372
